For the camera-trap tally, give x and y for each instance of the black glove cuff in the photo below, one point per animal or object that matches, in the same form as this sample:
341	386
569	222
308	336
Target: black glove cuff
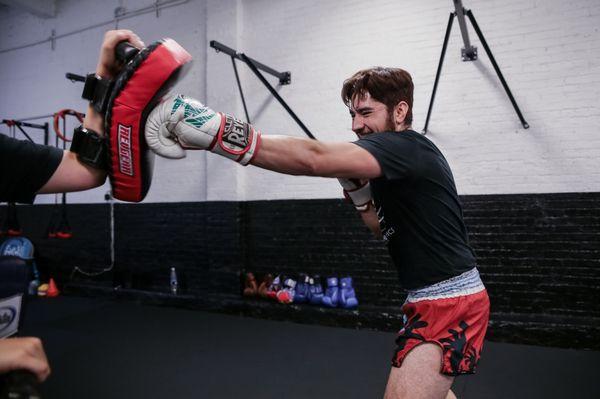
90	147
97	90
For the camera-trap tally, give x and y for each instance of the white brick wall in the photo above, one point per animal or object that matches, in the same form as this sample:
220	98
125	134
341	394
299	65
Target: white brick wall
32	80
548	51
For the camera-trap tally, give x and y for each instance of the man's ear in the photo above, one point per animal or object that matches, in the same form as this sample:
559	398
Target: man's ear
400	111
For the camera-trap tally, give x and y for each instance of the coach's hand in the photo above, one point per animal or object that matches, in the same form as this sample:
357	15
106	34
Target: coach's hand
180	123
25	353
108	65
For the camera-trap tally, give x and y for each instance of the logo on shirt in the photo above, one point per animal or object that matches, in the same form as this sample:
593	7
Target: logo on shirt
125	154
386	231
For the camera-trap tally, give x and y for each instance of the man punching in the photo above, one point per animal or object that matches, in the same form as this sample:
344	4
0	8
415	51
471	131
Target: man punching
403	188
28	169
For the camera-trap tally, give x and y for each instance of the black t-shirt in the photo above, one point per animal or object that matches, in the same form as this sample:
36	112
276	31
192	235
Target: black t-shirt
24	168
419	211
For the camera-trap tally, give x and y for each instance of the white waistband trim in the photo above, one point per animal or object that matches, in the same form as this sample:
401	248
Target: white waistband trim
464	284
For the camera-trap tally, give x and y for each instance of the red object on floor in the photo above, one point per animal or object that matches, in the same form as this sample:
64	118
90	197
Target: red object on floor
52	289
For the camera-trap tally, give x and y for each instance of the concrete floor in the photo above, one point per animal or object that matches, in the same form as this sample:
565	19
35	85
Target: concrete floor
106	349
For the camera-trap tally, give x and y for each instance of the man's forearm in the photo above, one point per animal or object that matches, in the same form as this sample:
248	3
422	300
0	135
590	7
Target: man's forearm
289	155
370	218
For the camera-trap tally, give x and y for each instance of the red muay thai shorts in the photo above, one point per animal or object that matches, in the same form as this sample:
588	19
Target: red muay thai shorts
454	315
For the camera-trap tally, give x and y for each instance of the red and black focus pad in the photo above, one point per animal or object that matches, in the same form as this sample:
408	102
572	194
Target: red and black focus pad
138	88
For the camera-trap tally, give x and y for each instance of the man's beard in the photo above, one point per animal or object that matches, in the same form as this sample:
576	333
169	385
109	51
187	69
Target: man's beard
389	126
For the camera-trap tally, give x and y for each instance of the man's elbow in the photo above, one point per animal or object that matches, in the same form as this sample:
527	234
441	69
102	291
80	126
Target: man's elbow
97	179
86	179
311	166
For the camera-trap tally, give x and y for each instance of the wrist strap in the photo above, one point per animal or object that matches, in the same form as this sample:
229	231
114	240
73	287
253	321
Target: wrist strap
97	90
361	196
364	207
90	147
236	140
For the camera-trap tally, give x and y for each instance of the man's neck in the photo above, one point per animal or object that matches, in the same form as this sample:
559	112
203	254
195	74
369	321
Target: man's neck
402	128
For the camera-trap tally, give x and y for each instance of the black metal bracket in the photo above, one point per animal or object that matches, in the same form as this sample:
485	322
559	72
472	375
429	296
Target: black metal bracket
255	66
74	77
469	53
285	78
19	125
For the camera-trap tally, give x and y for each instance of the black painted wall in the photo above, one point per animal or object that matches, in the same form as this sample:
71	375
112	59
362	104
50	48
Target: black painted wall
539	256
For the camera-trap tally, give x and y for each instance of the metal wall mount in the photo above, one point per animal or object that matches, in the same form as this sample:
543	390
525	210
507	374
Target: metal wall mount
20	125
469	53
285	78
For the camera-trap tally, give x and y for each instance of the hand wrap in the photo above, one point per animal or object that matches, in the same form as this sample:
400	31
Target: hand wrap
357	192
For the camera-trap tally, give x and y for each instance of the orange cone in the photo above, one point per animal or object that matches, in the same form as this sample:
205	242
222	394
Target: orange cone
52	289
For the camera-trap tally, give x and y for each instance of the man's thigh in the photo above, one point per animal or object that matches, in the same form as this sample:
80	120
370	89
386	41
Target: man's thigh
419	377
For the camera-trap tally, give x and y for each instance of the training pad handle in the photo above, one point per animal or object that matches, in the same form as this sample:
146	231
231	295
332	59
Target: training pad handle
21	384
124	51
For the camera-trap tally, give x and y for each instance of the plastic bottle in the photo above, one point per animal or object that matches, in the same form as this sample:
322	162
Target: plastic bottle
173	281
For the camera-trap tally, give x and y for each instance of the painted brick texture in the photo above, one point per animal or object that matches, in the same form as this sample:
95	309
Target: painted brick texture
548	52
539	256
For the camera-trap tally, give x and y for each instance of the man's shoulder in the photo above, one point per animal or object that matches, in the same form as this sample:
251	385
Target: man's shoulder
408	134
8	145
415	137
28	153
391	138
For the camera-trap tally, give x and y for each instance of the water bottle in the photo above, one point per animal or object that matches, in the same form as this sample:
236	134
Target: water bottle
33	287
173	281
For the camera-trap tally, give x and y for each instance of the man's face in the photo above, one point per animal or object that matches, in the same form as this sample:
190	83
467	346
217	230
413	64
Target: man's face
369	116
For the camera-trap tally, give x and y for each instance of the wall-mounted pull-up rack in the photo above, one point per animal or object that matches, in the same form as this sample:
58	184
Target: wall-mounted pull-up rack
20	125
285	78
469	53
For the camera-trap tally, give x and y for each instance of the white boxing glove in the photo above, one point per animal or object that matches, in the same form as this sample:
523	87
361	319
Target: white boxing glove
180	123
357	192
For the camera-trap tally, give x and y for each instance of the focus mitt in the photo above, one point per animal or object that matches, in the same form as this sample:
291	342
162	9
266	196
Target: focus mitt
147	76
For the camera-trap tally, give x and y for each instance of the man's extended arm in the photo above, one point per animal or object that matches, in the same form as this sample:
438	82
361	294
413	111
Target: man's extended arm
182	123
300	156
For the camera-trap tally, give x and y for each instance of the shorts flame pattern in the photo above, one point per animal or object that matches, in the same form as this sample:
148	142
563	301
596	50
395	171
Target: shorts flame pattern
457	324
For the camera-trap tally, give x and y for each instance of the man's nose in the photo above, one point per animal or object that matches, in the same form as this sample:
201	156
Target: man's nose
357	124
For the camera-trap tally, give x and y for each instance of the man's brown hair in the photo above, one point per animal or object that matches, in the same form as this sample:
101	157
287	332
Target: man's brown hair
386	85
